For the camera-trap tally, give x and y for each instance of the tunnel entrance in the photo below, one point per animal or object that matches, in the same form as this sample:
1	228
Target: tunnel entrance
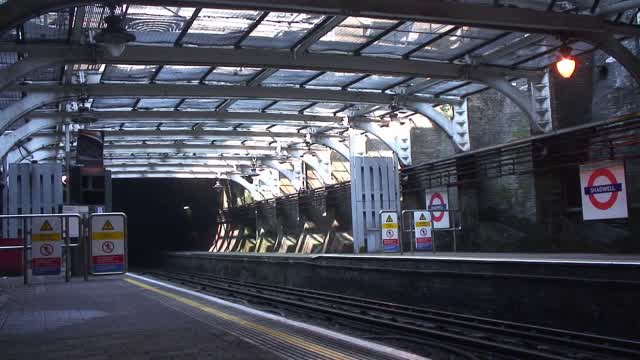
166	215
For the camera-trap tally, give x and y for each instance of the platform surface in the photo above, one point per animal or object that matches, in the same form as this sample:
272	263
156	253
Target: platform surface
128	317
559	258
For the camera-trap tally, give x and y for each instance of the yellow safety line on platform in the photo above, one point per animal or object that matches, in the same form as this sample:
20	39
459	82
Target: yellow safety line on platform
292	340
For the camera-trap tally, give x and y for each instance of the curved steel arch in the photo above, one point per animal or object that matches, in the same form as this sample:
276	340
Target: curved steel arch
42	144
31	147
9	140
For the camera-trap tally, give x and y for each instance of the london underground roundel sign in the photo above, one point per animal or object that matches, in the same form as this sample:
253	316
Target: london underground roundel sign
604	194
438	204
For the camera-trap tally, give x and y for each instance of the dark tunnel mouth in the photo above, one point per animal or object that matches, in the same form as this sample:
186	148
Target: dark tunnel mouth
158	221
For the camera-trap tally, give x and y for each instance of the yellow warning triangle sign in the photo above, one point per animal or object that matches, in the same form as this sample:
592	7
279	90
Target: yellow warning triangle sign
422	217
389	219
46	226
107	225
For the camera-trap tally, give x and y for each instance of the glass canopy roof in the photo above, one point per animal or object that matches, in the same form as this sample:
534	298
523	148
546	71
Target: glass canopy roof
282	32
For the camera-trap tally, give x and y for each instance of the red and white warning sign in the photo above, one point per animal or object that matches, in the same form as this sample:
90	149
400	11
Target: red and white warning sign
390	235
107	244
422	224
604	191
46	238
437	204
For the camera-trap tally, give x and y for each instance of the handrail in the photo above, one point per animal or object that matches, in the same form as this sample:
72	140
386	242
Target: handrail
25	243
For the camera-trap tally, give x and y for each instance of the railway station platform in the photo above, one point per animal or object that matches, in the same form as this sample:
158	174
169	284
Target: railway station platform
136	317
581	292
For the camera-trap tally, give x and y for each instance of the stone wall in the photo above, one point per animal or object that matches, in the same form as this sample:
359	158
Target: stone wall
541	212
615	91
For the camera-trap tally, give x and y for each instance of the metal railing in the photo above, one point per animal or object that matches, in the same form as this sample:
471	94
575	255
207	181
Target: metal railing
65	233
455	225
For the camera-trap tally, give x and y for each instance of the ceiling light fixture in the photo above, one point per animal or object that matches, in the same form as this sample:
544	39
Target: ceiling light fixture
566	66
114	37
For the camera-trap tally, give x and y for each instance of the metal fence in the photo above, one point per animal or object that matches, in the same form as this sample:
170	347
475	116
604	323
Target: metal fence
85	239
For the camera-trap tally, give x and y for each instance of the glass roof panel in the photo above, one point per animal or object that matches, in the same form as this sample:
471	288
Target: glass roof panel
579	47
7	98
113	104
467	89
53	26
441	86
540	61
128	73
49	73
333	79
324	108
156	24
289	77
182	73
503	42
456	44
288	106
200	104
157	104
231	75
281	30
401	88
407	37
218	27
518	55
377	82
351	34
249	105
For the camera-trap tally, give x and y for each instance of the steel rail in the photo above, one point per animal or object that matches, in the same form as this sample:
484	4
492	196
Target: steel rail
608	345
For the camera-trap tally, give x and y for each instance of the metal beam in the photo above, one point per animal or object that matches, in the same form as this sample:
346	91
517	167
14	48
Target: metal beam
262	58
37	121
153	117
188	148
316	34
203	134
189	158
175	167
165	174
178	160
13	13
41	95
219	91
612	46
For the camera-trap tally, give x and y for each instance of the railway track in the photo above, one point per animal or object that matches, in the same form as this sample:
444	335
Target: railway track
475	334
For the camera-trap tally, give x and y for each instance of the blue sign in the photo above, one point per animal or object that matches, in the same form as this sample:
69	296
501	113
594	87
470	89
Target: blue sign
602	189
